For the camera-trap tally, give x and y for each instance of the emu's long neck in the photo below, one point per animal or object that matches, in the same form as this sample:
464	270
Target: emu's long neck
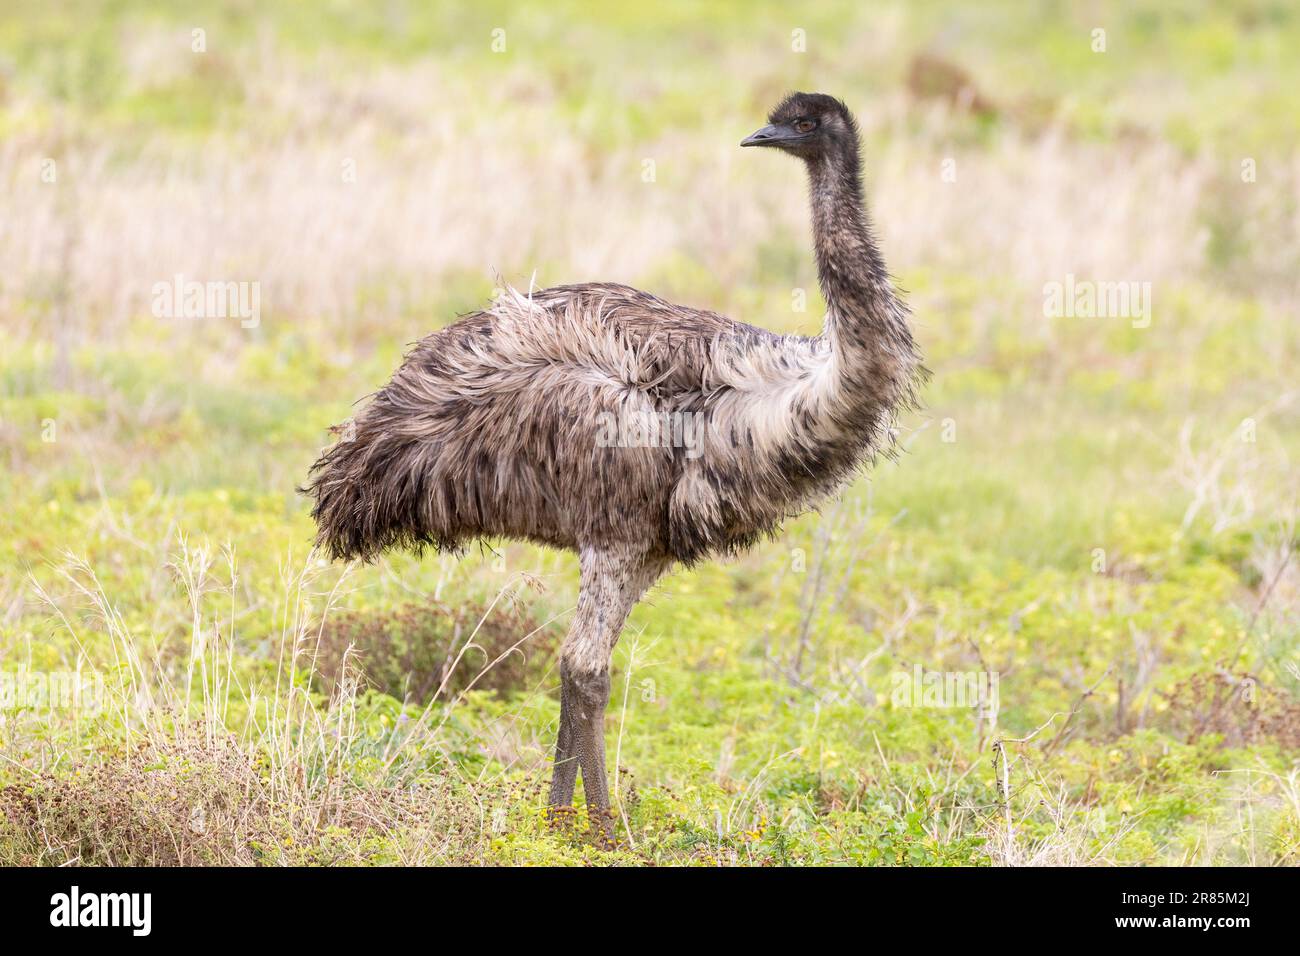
866	322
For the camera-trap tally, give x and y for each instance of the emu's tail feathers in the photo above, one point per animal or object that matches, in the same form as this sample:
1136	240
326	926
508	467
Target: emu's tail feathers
371	493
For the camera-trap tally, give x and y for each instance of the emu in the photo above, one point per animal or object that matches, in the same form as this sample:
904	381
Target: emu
499	426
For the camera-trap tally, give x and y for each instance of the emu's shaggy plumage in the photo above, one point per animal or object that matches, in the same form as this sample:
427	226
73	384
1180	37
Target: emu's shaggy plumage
516	422
558	417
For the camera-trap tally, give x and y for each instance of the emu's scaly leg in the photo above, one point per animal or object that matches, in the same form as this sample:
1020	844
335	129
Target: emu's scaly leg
566	759
611	584
586	696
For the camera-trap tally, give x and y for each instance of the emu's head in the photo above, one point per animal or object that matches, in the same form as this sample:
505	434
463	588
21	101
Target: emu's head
811	126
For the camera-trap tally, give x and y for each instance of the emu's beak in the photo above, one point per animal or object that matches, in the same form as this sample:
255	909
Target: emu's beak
770	136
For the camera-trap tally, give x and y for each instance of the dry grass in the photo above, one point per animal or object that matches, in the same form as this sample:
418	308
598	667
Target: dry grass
204	763
436	197
1068	834
185	799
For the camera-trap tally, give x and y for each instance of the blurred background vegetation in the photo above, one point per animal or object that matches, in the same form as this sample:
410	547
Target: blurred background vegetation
1102	514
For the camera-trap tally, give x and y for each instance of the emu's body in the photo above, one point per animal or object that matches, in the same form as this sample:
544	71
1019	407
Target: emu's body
557	417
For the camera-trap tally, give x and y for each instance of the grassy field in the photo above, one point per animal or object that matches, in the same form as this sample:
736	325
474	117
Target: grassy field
1099	514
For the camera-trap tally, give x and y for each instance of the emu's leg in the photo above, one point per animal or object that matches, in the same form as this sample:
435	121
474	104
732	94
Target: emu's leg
581	742
611	584
565	773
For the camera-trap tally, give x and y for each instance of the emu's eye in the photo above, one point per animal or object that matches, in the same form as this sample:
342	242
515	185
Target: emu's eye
805	125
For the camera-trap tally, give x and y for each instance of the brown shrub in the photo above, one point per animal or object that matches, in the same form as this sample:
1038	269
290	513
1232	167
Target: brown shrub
1237	708
409	652
191	802
930	76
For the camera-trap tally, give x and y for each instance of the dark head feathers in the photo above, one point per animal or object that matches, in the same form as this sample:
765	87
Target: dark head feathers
812	105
